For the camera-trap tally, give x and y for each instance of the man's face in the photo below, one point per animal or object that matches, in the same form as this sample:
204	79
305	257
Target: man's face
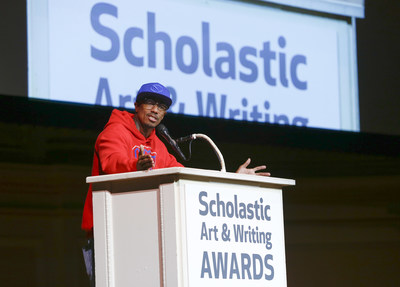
149	115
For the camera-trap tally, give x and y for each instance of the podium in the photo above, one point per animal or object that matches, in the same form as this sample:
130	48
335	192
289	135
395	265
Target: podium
188	227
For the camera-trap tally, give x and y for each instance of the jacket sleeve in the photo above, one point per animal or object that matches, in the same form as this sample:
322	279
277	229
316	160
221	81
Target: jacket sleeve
115	151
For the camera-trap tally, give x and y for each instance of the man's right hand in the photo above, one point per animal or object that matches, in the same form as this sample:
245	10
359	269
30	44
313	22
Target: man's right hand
145	161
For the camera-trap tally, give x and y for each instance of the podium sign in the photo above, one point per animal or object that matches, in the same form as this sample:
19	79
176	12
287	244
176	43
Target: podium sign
234	236
188	227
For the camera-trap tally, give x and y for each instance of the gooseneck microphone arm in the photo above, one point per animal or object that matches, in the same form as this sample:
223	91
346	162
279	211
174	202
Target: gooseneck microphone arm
163	131
213	145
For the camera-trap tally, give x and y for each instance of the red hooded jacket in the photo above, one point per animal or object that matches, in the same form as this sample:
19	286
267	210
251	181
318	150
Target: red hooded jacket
117	149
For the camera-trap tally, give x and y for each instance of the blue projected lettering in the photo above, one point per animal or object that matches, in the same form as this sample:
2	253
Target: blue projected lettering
209	105
228	61
252	77
130	34
154	37
180	44
244	64
97	11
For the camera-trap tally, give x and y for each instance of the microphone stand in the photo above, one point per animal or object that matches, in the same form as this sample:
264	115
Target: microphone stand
213	145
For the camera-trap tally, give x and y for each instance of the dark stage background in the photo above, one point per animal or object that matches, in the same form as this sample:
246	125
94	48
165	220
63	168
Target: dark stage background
341	219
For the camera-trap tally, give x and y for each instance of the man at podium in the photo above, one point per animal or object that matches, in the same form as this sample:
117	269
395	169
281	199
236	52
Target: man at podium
129	143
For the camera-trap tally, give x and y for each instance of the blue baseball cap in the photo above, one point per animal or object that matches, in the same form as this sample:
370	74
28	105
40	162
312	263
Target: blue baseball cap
154	90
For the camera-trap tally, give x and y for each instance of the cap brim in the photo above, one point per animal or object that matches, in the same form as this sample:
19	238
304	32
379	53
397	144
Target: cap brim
160	98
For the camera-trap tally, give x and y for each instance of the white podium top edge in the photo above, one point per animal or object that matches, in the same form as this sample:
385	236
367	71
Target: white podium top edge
188	173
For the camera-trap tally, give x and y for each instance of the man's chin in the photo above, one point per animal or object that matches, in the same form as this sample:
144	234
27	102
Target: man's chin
151	125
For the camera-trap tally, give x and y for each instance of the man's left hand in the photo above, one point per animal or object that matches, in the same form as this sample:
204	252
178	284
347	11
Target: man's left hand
243	169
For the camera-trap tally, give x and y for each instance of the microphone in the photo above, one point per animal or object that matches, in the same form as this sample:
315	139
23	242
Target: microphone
163	131
186	138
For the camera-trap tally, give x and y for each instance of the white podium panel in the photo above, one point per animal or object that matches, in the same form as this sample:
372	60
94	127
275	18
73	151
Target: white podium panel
188	227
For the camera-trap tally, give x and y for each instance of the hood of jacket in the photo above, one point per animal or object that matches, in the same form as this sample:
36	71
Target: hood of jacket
126	119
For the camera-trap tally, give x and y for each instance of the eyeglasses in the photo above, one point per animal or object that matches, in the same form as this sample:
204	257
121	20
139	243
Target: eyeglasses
150	103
